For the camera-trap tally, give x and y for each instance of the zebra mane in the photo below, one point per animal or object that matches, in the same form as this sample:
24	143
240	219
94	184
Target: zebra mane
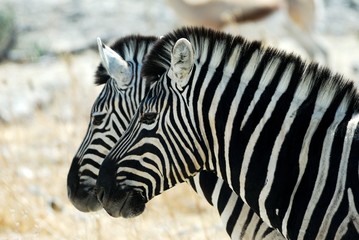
130	48
207	42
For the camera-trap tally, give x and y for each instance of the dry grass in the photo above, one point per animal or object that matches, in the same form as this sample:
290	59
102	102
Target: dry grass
35	156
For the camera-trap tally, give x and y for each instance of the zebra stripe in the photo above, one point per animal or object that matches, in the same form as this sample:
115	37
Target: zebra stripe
110	115
280	132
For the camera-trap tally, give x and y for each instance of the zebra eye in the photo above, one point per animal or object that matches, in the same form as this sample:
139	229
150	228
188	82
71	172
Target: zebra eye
148	118
97	119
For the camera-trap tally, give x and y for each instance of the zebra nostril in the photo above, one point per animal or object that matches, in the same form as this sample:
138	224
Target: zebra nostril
100	194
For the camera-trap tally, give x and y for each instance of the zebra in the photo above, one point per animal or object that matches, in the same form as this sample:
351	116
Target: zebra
282	133
110	115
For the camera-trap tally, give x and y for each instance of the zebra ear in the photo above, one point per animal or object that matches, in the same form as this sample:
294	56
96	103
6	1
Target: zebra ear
115	65
182	60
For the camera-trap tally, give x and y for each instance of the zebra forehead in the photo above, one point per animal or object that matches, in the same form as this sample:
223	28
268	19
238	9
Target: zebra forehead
217	47
132	47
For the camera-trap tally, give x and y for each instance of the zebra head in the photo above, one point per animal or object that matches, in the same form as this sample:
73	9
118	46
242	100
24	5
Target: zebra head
162	146
110	115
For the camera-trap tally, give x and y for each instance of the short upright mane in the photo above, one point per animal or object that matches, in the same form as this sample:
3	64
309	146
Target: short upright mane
206	43
131	48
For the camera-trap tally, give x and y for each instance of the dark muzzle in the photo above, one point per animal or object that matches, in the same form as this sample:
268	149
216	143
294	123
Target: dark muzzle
82	195
117	200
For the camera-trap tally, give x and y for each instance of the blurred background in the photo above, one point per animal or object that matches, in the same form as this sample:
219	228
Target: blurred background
48	59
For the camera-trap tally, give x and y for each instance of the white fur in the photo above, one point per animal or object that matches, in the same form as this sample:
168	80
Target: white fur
115	65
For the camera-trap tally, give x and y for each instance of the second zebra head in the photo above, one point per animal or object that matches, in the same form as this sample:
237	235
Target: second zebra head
110	114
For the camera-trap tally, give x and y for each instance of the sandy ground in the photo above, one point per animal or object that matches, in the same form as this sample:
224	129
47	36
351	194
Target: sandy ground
46	93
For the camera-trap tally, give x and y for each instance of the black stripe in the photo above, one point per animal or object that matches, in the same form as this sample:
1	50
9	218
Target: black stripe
207	183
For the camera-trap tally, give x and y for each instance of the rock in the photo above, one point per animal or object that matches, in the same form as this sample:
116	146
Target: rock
55	204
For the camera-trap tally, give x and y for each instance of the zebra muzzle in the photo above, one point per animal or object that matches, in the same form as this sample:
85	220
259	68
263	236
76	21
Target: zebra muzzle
125	203
82	194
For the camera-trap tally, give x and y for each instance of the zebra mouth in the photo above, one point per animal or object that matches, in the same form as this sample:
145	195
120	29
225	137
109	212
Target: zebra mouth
84	198
122	203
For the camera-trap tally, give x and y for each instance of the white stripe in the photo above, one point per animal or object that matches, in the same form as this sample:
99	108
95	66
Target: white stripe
216	192
251	67
217	54
352	209
351	216
204	51
233	61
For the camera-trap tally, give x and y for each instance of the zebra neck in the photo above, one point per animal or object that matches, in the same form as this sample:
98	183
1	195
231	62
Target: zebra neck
228	95
268	114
